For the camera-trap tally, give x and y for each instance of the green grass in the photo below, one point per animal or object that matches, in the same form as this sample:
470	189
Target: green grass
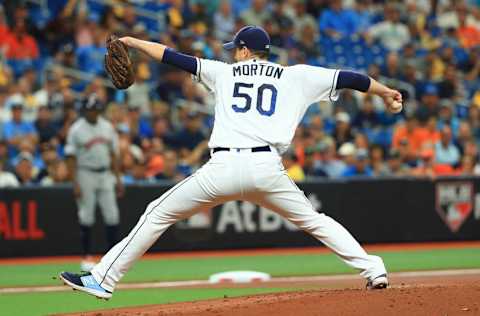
33	304
276	265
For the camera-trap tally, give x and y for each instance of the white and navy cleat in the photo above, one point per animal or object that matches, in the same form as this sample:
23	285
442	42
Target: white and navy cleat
85	283
378	283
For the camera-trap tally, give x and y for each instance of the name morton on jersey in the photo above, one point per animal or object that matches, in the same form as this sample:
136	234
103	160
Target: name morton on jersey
258	70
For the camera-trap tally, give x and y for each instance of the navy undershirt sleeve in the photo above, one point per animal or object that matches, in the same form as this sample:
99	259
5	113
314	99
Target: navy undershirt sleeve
179	60
353	80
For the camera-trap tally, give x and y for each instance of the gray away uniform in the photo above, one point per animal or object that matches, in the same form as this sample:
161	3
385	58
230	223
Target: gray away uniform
92	146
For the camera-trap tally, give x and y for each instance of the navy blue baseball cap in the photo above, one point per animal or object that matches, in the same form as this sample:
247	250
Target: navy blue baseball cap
252	37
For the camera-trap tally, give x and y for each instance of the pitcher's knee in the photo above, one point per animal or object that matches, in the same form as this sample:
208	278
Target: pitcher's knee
161	213
311	222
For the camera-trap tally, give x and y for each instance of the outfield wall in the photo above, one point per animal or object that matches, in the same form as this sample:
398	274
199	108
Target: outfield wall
42	221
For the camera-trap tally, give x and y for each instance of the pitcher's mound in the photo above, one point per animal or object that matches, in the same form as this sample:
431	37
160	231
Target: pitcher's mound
448	299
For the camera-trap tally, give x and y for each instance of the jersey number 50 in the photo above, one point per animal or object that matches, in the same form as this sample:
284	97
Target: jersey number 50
248	99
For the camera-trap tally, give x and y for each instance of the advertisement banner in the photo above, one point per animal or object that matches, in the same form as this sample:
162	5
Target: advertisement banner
43	221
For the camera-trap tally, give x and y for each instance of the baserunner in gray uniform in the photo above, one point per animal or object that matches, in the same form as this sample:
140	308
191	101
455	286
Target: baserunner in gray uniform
92	152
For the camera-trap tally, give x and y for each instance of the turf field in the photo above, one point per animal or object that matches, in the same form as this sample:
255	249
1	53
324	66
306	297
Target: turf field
199	268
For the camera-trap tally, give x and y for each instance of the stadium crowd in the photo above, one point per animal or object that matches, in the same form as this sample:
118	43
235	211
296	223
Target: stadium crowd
53	56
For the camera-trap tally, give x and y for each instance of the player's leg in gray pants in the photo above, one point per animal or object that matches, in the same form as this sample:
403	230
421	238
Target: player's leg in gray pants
87	201
107	200
86	207
256	177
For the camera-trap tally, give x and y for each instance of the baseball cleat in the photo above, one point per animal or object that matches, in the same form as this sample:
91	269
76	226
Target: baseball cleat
85	283
378	283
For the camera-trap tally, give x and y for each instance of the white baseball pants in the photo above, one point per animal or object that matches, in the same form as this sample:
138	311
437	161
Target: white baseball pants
257	177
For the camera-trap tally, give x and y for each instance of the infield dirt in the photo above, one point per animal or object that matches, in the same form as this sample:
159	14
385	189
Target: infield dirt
408	295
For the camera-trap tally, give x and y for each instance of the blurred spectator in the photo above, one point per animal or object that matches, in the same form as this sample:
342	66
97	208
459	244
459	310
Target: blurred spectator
138	127
137	174
429	168
19	44
343	132
4	158
392	68
311	164
429	51
90	55
464	135
366	118
69	116
361	16
44	125
24	169
224	22
257	14
450	87
445	151
17	129
361	141
293	168
361	166
429	105
410	134
138	95
26	146
128	17
170	167
336	21
347	153
395	166
191	135
49	155
306	42
391	33
7	179
57	174
450	19
303	20
446	116
429	134
349	102
467	166
377	161
474	121
327	164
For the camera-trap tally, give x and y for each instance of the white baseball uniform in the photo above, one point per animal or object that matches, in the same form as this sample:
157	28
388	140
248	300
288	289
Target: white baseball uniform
258	104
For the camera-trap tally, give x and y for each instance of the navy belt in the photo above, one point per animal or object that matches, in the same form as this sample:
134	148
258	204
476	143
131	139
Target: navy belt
101	169
254	149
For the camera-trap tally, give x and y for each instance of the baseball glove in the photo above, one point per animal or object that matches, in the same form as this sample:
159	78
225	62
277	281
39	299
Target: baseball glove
118	63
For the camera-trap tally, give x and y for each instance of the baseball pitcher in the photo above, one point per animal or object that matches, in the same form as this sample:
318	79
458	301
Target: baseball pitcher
258	107
92	155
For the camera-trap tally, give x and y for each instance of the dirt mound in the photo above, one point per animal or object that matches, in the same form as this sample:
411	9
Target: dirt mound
403	299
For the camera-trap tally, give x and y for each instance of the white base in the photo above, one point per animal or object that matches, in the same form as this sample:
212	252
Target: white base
239	277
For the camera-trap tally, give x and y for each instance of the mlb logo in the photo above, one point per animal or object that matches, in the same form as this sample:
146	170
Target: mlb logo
454	203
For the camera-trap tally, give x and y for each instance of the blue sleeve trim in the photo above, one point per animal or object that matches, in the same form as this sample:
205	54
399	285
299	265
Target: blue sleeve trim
353	80
179	60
